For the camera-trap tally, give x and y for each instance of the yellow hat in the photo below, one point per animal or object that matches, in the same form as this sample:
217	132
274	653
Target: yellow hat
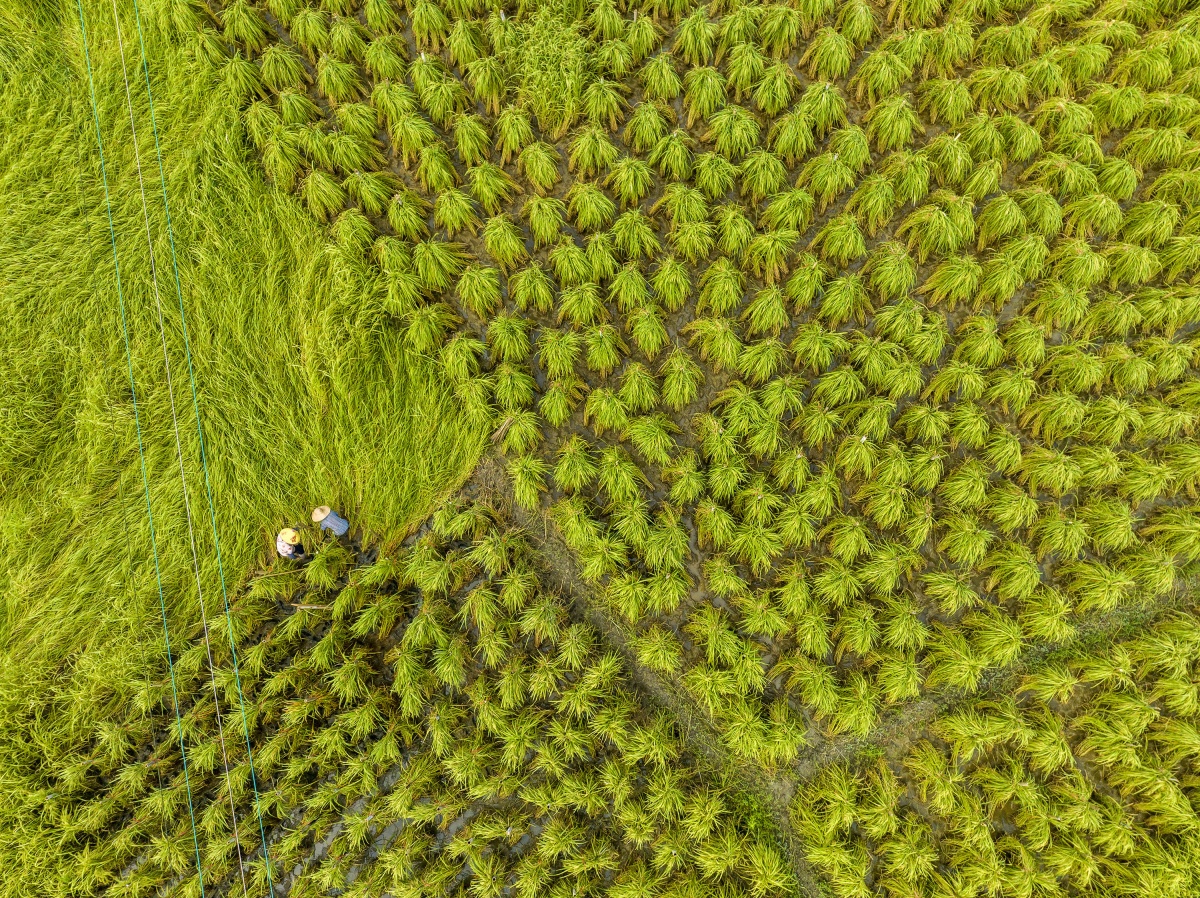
290	536
320	513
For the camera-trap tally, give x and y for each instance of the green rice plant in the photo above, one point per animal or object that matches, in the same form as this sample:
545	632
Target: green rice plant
768	254
282	68
891	271
545	217
695	38
602	103
850	144
760	361
604	349
570	264
528	475
692	240
646	327
466	43
384	58
790	209
430	26
460	357
651	436
721	288
514	387
735	230
671	284
630	180
941	228
322	194
703	94
828	55
775	89
914	13
879	76
589	207
471	139
954	281
295	108
873	203
642	35
766	313
762	175
337	80
673	155
745	68
826	177
1150	224
660	81
513	133
591	153
436	263
435	170
539	162
575	468
718	341
845	298
347	39
984	181
682	378
453	211
604	411
532	288
505	245
633	235
372	192
733	131
909	174
559	399
581	304
552	60
779	29
659	650
508	337
309	29
840	241
619	476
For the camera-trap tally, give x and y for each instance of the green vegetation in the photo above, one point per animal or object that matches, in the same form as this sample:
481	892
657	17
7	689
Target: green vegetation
1083	783
850	350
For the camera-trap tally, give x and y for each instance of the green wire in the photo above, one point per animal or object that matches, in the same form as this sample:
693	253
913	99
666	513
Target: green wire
112	233
203	452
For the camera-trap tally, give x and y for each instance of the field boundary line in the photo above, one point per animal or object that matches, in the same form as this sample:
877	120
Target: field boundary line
491	481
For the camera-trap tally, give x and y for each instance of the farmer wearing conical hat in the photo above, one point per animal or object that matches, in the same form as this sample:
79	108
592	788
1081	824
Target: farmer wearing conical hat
328	519
287	544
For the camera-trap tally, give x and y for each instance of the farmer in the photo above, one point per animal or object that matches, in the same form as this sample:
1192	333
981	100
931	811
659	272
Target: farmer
287	544
328	519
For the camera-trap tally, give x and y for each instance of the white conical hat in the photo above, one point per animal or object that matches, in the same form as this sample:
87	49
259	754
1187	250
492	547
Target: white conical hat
320	513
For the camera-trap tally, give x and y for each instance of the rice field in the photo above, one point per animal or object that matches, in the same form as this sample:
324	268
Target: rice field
769	429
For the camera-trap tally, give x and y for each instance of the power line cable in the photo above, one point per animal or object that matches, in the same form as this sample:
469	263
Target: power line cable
112	233
203	448
179	450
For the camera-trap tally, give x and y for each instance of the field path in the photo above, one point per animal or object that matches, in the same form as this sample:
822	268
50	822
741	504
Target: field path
556	562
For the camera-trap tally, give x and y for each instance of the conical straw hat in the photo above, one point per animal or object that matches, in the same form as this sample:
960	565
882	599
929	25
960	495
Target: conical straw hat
320	513
290	536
